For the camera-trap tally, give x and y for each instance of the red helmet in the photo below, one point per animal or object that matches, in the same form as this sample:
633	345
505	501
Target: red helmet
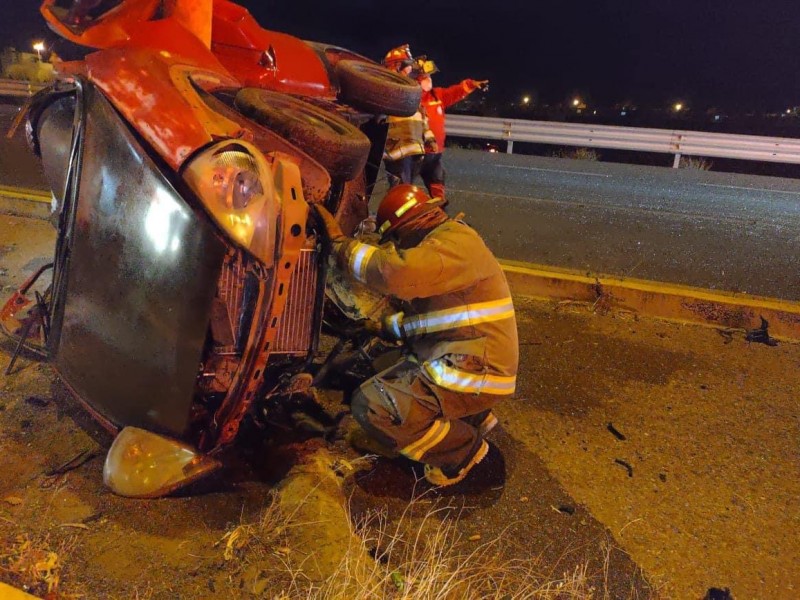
399	57
400	204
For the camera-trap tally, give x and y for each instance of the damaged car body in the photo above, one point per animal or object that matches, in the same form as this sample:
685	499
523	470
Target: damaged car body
188	280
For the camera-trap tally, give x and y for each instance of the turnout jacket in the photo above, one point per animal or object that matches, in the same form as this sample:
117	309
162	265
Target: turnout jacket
407	136
458	317
437	100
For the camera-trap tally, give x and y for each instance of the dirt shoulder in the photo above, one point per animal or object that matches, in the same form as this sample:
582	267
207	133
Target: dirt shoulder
701	492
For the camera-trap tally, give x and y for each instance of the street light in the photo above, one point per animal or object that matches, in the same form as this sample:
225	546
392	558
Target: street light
678	107
38	46
576	102
526	99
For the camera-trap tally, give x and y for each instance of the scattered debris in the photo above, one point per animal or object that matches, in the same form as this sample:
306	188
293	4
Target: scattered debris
615	432
92	518
761	335
727	334
524	499
75	525
627	466
13	500
566	509
73	463
718	594
474	538
662	477
36	401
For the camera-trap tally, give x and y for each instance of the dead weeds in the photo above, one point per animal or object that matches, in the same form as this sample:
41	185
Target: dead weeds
36	564
422	554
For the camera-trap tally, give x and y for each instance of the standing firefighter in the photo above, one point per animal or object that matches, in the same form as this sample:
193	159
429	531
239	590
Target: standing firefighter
435	100
458	330
408	138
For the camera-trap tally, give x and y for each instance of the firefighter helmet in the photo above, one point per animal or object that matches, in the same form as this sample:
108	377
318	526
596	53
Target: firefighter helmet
398	58
400	204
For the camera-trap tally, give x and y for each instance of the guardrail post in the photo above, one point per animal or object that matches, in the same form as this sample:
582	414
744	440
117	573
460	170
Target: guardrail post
676	164
510	147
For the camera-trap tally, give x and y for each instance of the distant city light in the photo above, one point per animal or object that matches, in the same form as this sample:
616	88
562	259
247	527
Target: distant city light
678	107
526	99
576	102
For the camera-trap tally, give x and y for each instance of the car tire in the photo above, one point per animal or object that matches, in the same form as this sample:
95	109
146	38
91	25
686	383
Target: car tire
336	144
377	90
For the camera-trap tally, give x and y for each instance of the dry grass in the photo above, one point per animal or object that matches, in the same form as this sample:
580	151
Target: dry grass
421	555
254	541
698	164
577	154
35	565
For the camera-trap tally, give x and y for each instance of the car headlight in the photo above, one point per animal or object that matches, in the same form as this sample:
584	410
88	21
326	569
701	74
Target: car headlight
235	184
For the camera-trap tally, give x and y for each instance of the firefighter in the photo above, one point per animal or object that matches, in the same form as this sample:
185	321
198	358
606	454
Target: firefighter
435	100
408	138
457	328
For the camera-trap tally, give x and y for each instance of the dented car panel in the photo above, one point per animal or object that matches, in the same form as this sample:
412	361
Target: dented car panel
131	225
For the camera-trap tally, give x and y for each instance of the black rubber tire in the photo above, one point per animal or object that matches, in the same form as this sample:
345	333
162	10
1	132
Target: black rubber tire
336	144
377	90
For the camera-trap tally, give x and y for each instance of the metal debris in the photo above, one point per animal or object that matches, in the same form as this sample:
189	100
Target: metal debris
37	401
718	594
761	335
73	463
626	465
615	432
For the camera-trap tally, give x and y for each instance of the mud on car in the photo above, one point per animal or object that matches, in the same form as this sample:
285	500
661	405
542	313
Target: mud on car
187	285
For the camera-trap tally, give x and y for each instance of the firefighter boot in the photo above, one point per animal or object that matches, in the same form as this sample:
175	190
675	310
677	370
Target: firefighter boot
437	191
445	477
483	421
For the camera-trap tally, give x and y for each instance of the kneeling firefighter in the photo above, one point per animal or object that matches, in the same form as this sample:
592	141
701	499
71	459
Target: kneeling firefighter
458	331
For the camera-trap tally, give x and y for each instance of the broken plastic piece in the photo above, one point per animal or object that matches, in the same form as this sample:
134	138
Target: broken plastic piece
143	464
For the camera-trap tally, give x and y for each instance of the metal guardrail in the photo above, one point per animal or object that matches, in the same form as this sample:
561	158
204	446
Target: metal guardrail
691	143
18	89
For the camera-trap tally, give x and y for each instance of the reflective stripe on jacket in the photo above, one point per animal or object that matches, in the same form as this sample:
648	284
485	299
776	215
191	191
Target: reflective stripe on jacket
458	315
407	136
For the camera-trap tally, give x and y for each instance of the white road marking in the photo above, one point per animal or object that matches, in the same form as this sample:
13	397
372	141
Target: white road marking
554	171
749	189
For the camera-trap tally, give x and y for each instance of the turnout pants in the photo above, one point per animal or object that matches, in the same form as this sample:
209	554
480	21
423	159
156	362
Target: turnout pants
402	409
432	173
404	170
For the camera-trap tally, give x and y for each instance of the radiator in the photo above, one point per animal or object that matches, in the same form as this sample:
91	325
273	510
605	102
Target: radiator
296	329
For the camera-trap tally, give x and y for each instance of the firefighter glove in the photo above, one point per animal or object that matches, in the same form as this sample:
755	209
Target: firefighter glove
431	147
330	224
475	84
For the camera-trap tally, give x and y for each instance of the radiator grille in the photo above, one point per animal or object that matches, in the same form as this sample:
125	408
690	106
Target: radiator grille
296	329
230	290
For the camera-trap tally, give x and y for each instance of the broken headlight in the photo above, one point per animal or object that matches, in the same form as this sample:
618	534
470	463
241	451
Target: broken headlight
235	184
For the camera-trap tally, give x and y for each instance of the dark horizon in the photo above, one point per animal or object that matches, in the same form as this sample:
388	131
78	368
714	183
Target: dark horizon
733	56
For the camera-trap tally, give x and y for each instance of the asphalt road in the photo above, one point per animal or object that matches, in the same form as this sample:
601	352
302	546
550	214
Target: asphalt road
711	230
707	229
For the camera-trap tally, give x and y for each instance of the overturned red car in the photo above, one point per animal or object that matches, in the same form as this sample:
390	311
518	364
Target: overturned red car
188	281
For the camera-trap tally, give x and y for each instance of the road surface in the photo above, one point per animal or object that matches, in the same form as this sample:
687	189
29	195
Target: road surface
711	230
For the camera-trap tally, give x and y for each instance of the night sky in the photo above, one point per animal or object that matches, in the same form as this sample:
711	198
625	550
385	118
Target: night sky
738	54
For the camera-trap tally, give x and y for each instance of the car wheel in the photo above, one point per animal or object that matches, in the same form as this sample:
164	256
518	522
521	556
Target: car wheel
375	89
336	144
